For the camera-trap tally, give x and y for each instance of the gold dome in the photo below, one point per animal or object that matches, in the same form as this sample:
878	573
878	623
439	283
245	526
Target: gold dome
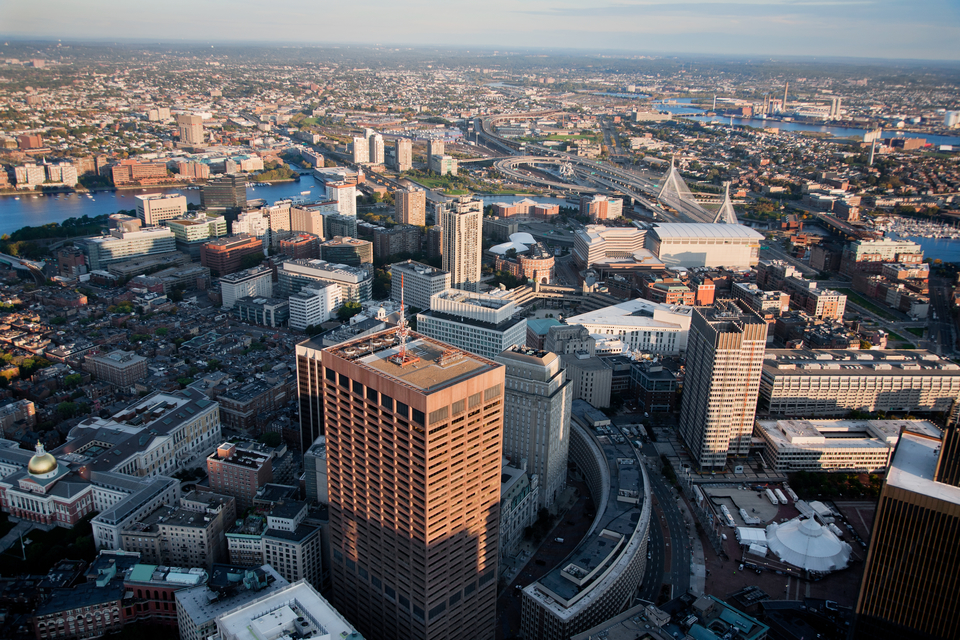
41	463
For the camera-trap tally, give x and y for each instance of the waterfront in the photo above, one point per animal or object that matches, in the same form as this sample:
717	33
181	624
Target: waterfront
37	209
945	249
695	113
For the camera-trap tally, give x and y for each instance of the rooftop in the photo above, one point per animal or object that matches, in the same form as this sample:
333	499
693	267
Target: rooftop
229	587
914	465
832	362
697	231
292	611
436	365
619	516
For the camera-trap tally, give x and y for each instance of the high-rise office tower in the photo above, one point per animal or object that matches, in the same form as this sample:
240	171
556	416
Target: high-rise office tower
411	206
404	154
225	192
835	108
413	433
911	582
361	150
345	195
536	417
461	220
376	151
434	148
724	361
191	129
309	385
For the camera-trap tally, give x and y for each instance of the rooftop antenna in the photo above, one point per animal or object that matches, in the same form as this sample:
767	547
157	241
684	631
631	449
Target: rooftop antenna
403	358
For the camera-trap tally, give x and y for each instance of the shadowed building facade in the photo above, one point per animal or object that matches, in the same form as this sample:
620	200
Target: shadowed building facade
911	582
413	460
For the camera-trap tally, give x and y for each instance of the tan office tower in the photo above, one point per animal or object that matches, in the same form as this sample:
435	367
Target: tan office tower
411	207
361	150
724	361
910	582
191	129
413	460
536	421
461	220
376	150
434	148
404	154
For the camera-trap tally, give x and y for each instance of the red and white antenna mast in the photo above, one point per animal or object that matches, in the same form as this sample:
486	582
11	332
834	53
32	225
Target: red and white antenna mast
403	358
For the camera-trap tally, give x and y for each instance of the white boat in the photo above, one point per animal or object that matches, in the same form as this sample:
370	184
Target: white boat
16	197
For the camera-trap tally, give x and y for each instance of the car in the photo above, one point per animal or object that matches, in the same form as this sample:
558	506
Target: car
558	540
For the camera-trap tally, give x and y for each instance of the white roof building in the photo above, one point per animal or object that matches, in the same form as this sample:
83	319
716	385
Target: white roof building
642	325
295	611
705	245
808	545
519	242
833	445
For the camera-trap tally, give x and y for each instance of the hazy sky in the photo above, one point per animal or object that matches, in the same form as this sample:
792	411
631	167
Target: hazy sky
869	28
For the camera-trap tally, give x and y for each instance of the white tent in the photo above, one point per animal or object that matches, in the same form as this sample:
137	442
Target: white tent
808	545
750	535
758	550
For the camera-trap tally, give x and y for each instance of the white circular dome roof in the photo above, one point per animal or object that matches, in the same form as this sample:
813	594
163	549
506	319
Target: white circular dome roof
806	544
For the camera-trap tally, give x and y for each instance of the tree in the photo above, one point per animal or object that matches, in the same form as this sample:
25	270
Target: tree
271	439
348	309
67	409
250	260
72	380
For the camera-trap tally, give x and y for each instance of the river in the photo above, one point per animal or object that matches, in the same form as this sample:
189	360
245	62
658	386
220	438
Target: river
37	209
691	113
946	249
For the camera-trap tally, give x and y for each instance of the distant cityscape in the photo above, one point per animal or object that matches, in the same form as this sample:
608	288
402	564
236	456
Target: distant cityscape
527	346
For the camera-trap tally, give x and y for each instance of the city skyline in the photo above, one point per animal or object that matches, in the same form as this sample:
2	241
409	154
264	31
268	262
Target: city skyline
855	28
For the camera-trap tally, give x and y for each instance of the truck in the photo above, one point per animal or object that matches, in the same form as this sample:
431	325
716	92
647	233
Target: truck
782	498
772	498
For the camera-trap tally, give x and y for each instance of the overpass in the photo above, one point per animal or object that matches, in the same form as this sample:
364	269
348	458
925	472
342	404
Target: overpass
35	269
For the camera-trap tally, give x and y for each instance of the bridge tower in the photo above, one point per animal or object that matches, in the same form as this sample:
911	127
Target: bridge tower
674	187
726	214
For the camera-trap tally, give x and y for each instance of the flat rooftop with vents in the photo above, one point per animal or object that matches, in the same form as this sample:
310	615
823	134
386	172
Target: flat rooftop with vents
430	364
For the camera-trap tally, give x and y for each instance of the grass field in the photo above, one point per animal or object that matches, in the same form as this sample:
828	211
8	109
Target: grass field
859	300
896	337
917	331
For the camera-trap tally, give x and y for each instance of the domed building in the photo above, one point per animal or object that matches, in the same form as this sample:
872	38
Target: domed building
804	543
42	463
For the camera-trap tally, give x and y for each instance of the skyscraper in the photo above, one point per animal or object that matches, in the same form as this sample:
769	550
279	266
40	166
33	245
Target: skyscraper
361	150
404	154
376	150
345	195
413	436
434	148
536	417
309	385
225	192
724	361
835	108
191	129
411	206
910	583
461	220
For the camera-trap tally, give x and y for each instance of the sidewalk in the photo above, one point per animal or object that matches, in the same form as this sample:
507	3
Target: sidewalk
13	535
